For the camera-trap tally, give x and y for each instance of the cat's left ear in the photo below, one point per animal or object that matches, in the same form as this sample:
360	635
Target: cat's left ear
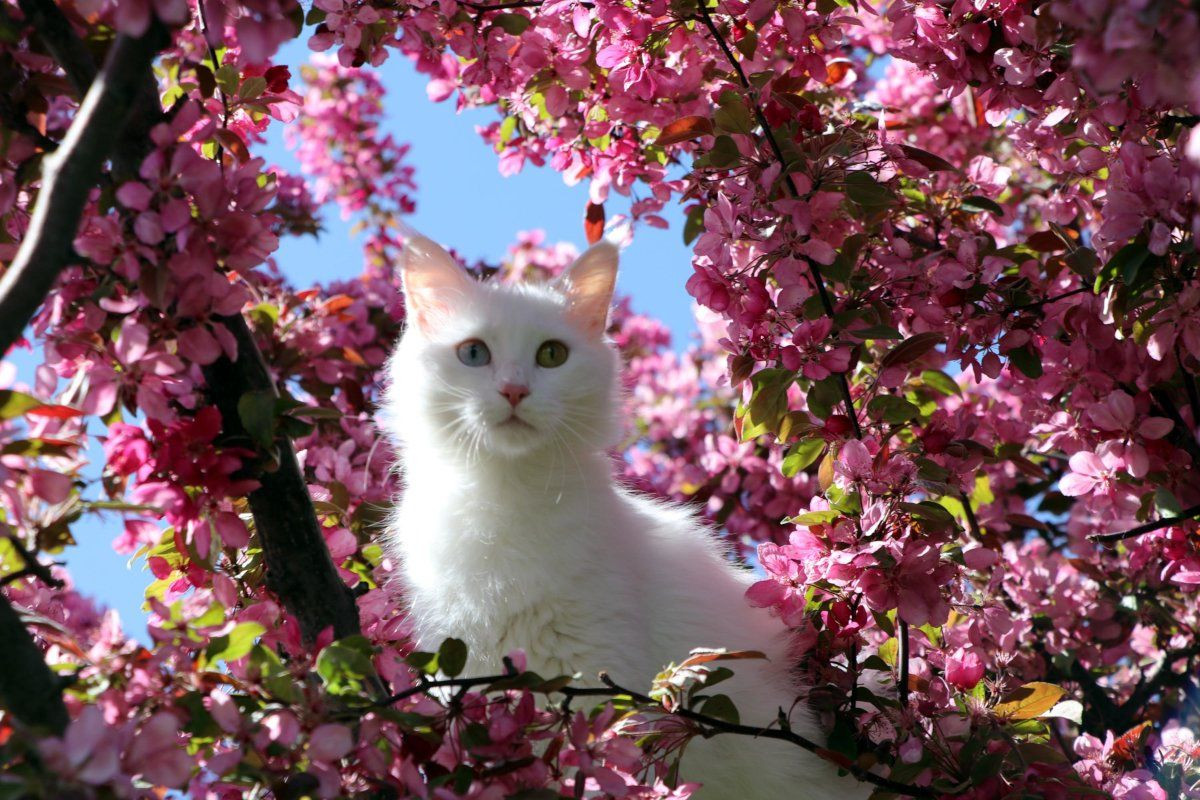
588	285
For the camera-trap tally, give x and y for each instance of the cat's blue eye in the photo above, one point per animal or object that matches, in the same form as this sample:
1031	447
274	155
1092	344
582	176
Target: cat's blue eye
551	354
474	353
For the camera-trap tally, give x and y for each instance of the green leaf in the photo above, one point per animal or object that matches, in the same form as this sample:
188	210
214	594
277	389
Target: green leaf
976	204
14	404
535	794
452	657
1028	362
1030	701
815	517
507	128
345	664
863	189
1125	264
888	651
693	226
252	88
732	116
724	153
768	402
1166	503
877	332
722	708
514	24
1083	262
256	409
890	408
236	643
227	78
715	676
823	396
425	662
940	382
801	455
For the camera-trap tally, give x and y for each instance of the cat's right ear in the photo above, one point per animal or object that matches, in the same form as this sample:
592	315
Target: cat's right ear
433	282
589	284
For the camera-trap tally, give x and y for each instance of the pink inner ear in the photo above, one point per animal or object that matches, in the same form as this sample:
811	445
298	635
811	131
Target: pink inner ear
433	283
589	287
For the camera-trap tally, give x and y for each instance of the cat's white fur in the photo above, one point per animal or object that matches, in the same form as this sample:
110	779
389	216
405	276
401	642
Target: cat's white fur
514	534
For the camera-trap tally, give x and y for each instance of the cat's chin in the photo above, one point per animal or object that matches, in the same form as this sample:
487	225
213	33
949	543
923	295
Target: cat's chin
514	437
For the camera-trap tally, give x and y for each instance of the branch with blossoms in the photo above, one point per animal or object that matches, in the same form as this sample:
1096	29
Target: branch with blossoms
70	173
768	134
1186	515
707	725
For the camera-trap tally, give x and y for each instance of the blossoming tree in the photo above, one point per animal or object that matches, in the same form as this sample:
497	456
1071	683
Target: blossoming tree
945	390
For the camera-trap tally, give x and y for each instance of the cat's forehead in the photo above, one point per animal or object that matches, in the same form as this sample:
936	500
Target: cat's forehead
513	311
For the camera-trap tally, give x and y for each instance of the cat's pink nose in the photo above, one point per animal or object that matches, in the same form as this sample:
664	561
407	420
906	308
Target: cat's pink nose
514	392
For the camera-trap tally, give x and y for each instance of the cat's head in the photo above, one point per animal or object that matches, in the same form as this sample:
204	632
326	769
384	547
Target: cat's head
486	369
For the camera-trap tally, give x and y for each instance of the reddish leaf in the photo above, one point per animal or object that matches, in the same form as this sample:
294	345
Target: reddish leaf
704	656
234	144
1126	751
912	348
54	412
1045	242
337	303
206	79
836	71
926	159
593	222
683	129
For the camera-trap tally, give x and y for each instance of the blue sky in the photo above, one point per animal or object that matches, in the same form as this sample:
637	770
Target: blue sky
463	202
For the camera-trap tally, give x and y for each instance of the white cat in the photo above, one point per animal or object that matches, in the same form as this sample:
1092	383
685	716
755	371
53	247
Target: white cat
512	532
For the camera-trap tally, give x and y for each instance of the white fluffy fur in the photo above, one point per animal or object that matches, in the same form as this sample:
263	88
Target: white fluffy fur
515	535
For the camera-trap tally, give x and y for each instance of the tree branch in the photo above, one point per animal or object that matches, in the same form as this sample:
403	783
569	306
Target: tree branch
709	726
56	33
28	688
1149	527
299	571
769	135
69	175
33	567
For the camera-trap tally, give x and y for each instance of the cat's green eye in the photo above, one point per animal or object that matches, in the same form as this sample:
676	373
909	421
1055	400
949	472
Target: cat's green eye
551	354
474	353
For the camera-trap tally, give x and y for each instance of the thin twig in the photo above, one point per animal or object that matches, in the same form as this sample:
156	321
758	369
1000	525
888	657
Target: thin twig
769	135
1047	300
1149	527
902	659
969	512
500	6
33	567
